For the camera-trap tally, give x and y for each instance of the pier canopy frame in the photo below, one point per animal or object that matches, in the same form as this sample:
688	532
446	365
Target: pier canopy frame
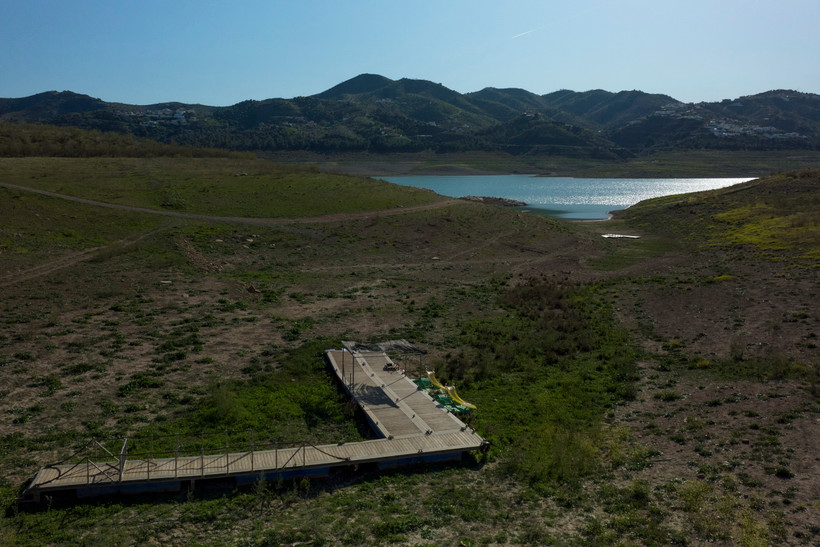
400	350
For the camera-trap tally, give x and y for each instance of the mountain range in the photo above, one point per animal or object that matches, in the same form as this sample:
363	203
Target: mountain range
376	114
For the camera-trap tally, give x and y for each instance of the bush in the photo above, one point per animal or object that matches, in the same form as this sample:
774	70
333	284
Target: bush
140	380
551	365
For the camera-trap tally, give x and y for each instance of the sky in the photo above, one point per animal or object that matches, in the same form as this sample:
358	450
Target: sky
221	52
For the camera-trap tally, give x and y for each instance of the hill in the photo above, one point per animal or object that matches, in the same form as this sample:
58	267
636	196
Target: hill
605	110
371	113
29	139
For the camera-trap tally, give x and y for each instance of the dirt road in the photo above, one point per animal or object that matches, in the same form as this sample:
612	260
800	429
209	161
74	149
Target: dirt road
339	217
9	278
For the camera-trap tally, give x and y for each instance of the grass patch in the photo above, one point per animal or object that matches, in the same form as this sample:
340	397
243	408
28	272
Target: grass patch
298	402
543	374
199	185
776	217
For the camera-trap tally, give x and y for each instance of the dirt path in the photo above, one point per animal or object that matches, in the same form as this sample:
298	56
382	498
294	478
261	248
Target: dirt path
339	217
81	256
71	259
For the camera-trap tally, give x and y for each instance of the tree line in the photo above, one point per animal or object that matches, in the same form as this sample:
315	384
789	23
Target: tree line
26	140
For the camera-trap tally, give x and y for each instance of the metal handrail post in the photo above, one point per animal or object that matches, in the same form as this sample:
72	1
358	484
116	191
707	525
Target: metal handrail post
227	458
202	455
253	449
123	457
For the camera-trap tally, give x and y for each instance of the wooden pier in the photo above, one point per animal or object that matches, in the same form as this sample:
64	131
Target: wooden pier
412	427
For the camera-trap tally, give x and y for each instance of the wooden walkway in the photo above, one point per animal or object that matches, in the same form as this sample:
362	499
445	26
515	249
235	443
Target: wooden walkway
394	405
412	426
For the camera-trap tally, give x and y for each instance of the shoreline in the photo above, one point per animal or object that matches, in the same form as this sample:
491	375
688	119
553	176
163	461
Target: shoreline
674	164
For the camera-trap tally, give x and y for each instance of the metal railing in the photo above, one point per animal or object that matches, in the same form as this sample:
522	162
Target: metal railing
175	461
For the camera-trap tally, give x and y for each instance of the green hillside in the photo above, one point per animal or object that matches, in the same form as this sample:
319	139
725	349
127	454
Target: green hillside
373	114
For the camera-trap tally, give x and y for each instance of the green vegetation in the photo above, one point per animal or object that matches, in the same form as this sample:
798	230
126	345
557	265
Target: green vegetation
547	371
298	402
705	163
30	140
37	140
255	188
370	114
63	229
632	391
776	217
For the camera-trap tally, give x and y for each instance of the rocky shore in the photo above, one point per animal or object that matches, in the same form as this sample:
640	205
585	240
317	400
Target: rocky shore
503	202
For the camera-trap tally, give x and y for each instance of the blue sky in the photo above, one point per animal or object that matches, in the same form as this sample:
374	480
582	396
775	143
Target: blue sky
219	52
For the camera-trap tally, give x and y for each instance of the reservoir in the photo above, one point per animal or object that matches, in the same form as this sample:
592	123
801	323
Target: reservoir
564	197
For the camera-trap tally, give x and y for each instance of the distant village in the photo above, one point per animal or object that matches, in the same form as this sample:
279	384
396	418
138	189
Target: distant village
164	116
719	126
723	127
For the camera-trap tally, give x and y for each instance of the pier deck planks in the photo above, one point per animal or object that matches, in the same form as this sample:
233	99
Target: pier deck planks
410	422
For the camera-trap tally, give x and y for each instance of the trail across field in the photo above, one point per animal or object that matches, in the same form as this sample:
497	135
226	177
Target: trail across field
71	259
87	254
340	217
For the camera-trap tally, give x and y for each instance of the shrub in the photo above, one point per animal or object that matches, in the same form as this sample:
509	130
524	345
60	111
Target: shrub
783	472
140	380
668	396
50	384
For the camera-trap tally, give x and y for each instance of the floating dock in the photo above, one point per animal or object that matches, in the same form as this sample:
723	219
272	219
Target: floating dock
411	426
620	236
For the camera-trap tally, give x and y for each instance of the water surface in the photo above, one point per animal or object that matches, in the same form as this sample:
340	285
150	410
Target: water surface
564	197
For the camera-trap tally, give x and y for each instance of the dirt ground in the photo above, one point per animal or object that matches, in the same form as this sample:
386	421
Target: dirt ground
753	441
745	444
